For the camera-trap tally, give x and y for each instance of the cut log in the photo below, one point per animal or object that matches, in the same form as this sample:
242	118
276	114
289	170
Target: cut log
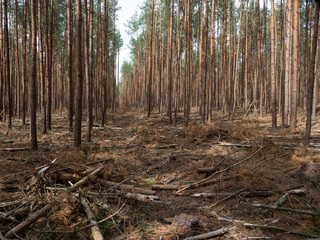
165	187
141	197
95	230
15	149
26	223
84	180
126	187
211	234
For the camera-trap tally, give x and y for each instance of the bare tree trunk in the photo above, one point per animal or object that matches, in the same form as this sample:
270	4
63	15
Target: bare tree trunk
33	82
7	62
204	82
295	76
89	57
236	81
106	67
42	73
273	66
70	65
316	83
151	65
79	76
169	62
312	75
114	84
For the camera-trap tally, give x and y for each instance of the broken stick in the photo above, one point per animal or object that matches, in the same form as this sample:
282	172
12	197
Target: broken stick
95	230
308	212
211	234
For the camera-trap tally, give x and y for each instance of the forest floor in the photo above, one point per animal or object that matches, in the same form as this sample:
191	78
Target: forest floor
147	179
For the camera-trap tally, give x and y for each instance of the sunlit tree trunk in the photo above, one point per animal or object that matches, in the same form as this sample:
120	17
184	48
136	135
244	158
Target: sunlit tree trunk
312	75
295	72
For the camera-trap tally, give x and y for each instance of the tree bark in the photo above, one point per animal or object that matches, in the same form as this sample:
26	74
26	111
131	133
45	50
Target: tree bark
79	76
169	62
295	76
150	63
312	75
70	65
7	62
33	82
273	66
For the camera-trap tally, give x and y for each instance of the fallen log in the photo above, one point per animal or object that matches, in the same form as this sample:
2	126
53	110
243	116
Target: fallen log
95	230
211	234
33	218
141	197
15	149
126	187
165	187
84	180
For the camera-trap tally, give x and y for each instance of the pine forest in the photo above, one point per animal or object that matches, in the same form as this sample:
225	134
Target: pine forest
159	119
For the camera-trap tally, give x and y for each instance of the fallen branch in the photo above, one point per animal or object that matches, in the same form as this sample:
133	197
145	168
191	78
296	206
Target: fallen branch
34	217
218	172
211	234
14	149
126	187
165	187
227	144
95	230
226	198
84	180
249	225
141	197
166	146
308	212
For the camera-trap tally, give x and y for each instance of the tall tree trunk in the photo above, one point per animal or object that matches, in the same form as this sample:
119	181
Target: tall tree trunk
89	57
114	81
312	75
212	63
316	83
70	65
150	63
42	78
106	68
7	62
204	82
169	63
48	62
288	67
79	76
273	66
295	76
259	58
33	82
236	81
